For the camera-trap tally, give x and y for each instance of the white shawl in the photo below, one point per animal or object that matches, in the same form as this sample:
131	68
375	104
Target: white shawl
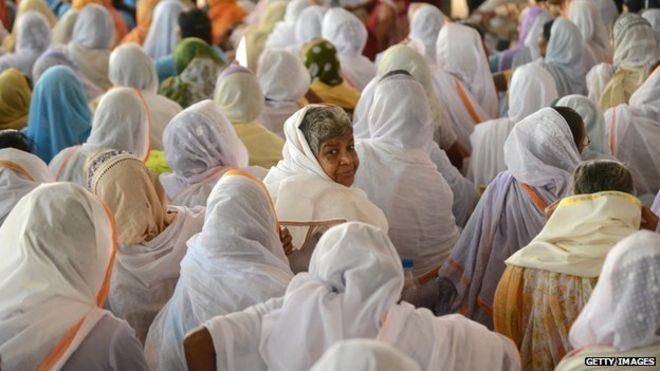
164	31
32	39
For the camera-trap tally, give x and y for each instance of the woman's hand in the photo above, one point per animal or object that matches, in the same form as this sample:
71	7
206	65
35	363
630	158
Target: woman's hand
649	219
285	237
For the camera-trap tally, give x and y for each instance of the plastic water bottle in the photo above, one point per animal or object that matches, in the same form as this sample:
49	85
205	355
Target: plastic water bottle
410	290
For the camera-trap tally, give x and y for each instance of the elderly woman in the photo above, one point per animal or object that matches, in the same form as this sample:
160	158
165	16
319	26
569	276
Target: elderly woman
57	56
541	154
32	39
621	317
349	35
284	81
131	66
419	213
547	282
164	31
351	291
92	40
425	24
585	14
200	146
634	136
636	52
594	124
20	173
320	58
15	95
236	261
313	183
564	57
197	67
151	234
121	122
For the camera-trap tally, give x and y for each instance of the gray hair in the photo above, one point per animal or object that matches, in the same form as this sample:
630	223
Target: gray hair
322	123
602	175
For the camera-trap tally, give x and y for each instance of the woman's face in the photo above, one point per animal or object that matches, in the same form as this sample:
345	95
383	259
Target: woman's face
338	158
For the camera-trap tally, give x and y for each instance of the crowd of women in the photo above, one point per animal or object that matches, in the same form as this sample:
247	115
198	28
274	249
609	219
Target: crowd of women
328	185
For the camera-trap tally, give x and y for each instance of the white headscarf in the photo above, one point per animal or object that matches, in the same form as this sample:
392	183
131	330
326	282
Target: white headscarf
20	173
200	144
32	39
422	226
623	310
239	95
58	56
594	125
163	32
532	88
564	57
354	277
653	16
460	52
308	26
364	355
131	66
236	261
608	13
584	13
635	43
283	34
532	39
349	35
58	240
540	151
93	36
425	26
303	192
634	135
120	122
63	30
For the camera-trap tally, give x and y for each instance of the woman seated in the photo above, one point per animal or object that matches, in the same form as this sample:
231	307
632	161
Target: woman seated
541	154
200	146
59	239
419	213
594	124
532	88
197	67
351	291
240	98
636	53
364	355
564	57
130	66
547	282
320	58
59	116
15	94
349	35
426	20
313	183
56	56
585	15
237	260
152	236
621	317
284	81
20	173
121	122
634	136
32	39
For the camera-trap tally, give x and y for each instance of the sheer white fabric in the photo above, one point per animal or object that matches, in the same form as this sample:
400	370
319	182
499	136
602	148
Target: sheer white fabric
532	88
608	12
635	43
585	14
163	33
57	56
284	81
564	57
623	310
63	30
349	35
20	173
120	122
653	16
59	238
400	178
283	34
594	124
634	135
93	36
200	145
308	27
239	95
460	52
303	192
236	261
32	39
424	29
541	152
364	355
131	66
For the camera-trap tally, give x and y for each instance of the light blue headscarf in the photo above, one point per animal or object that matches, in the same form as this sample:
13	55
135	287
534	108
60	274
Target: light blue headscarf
59	116
564	57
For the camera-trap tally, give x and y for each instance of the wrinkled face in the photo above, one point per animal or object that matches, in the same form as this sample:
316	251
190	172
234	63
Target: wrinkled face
338	158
